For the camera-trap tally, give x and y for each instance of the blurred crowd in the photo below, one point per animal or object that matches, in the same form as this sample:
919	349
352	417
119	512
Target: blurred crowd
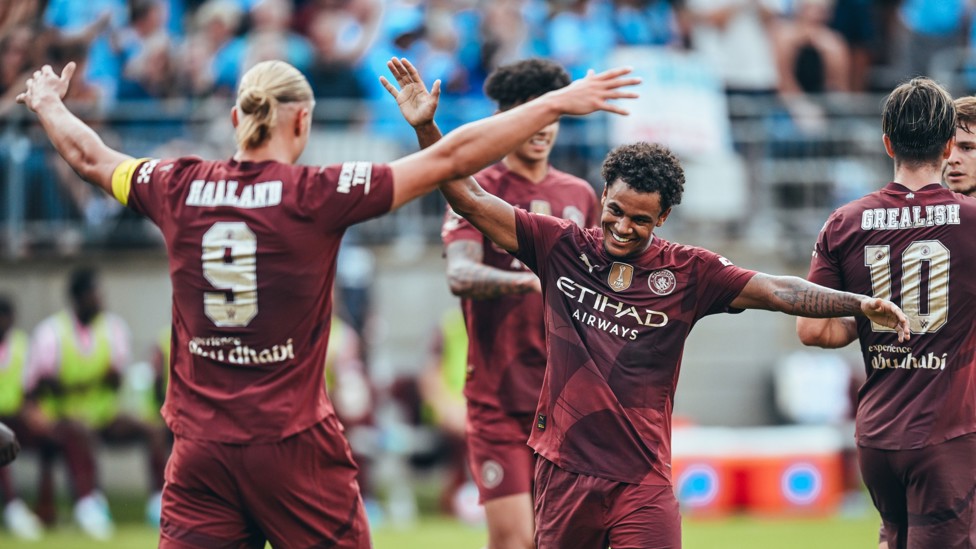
158	49
139	58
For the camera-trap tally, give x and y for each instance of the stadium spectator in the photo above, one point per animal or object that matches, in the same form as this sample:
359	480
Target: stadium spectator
94	22
77	359
733	35
144	47
270	37
812	59
17	517
960	169
922	30
568	22
246	383
211	55
916	414
602	426
501	300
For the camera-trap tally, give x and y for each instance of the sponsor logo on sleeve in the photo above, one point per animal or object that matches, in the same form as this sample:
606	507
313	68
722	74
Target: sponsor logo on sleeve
620	277
540	422
354	174
145	171
724	261
661	282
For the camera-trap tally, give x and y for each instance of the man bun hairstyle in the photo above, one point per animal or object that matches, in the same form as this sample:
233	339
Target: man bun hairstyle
919	118
513	84
647	168
262	90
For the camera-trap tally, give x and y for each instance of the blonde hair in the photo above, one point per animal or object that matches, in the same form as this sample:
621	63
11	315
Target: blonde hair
263	87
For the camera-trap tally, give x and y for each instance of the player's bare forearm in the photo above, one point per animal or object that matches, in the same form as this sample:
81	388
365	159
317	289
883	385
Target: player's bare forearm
827	333
75	142
491	215
428	134
78	144
795	296
469	278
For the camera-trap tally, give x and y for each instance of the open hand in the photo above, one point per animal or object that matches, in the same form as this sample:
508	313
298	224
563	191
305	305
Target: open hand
593	92
887	314
45	84
417	105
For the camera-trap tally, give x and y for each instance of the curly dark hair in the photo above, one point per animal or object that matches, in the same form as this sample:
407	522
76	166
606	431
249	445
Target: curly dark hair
513	84
646	168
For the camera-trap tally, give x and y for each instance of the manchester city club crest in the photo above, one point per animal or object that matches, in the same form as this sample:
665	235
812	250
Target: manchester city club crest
620	277
661	282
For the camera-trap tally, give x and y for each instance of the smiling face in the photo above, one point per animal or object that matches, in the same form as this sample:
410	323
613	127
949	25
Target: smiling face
629	218
960	169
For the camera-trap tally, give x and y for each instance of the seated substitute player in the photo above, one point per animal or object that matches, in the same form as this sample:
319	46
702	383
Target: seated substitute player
915	417
501	297
78	359
620	303
258	453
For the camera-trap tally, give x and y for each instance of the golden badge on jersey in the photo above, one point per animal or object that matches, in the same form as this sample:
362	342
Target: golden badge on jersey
661	282
620	277
540	207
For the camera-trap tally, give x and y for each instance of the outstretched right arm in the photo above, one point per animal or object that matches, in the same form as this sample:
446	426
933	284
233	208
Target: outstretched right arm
473	146
77	143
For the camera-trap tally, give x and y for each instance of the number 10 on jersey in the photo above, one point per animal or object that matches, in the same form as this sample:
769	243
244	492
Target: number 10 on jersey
924	283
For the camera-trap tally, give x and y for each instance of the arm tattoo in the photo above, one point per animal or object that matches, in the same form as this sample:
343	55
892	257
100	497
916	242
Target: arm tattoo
469	278
803	298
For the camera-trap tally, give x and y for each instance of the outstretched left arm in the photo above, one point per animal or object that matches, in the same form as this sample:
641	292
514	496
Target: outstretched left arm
74	140
795	296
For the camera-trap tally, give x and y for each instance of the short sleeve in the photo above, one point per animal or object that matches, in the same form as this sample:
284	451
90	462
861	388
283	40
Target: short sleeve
720	282
139	185
536	236
345	194
825	269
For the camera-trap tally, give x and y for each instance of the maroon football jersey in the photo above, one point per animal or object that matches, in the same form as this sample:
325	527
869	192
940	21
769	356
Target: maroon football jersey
507	338
912	248
616	334
252	248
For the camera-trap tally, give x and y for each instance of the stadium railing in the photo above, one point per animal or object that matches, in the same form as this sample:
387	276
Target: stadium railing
796	172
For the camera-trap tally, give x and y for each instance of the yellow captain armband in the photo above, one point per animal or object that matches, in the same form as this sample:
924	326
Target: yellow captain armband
122	179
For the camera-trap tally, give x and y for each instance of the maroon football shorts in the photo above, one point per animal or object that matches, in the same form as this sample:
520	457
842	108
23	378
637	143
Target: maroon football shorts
580	511
298	492
500	459
925	496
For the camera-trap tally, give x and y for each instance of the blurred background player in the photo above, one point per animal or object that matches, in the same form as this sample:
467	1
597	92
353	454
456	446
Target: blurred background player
17	516
916	413
78	360
246	388
501	298
441	386
960	169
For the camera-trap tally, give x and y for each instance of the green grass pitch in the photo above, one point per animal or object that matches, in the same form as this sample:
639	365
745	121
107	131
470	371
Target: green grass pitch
439	533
